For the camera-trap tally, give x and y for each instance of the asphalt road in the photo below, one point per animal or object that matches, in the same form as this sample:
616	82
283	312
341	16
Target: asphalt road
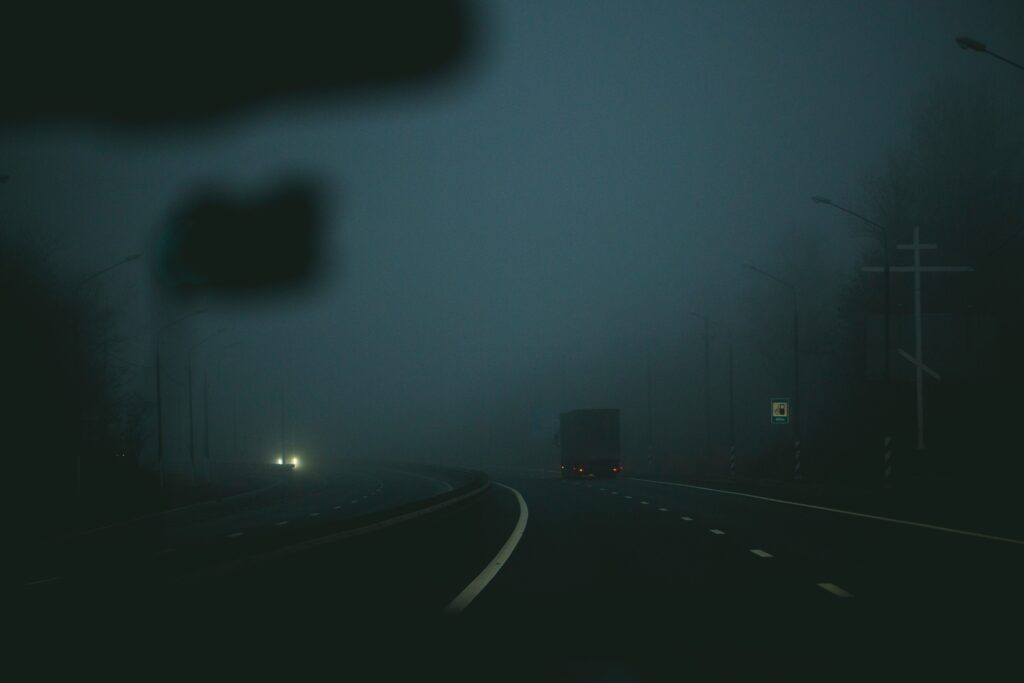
544	578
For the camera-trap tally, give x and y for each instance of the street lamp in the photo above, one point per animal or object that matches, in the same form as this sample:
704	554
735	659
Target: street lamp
882	233
967	43
796	407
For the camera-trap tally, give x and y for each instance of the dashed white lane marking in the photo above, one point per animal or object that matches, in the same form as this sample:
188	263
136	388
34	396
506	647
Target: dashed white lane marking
879	518
353	502
337	507
282	523
615	493
468	593
629	497
686	519
603	489
662	509
717	532
835	590
760	553
236	534
48	579
314	514
644	502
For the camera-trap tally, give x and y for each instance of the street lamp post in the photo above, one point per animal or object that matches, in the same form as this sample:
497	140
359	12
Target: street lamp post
78	289
707	384
191	418
882	233
796	408
206	407
159	398
967	43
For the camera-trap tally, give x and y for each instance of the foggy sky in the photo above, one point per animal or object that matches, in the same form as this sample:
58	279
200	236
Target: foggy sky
522	239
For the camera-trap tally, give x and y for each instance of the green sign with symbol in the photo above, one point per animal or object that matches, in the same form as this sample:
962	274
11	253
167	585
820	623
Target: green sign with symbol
780	411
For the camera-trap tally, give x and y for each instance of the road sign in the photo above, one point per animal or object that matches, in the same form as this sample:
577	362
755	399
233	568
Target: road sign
780	411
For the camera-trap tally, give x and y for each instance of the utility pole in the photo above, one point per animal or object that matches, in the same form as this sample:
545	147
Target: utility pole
206	421
650	417
707	383
917	359
159	424
159	400
732	419
797	407
191	423
707	389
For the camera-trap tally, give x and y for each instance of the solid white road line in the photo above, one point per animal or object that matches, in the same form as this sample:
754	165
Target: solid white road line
470	592
760	553
717	532
236	534
835	590
922	525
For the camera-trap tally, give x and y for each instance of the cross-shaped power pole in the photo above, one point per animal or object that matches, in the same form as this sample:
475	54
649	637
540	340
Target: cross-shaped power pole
917	359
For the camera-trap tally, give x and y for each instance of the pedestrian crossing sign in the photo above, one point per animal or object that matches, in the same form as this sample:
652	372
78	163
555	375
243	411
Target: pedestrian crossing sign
780	411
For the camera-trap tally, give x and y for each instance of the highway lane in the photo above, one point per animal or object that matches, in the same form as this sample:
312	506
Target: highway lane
609	580
634	573
161	547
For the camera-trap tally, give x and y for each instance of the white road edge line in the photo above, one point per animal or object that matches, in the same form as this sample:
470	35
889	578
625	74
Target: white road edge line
470	592
760	553
922	525
835	590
